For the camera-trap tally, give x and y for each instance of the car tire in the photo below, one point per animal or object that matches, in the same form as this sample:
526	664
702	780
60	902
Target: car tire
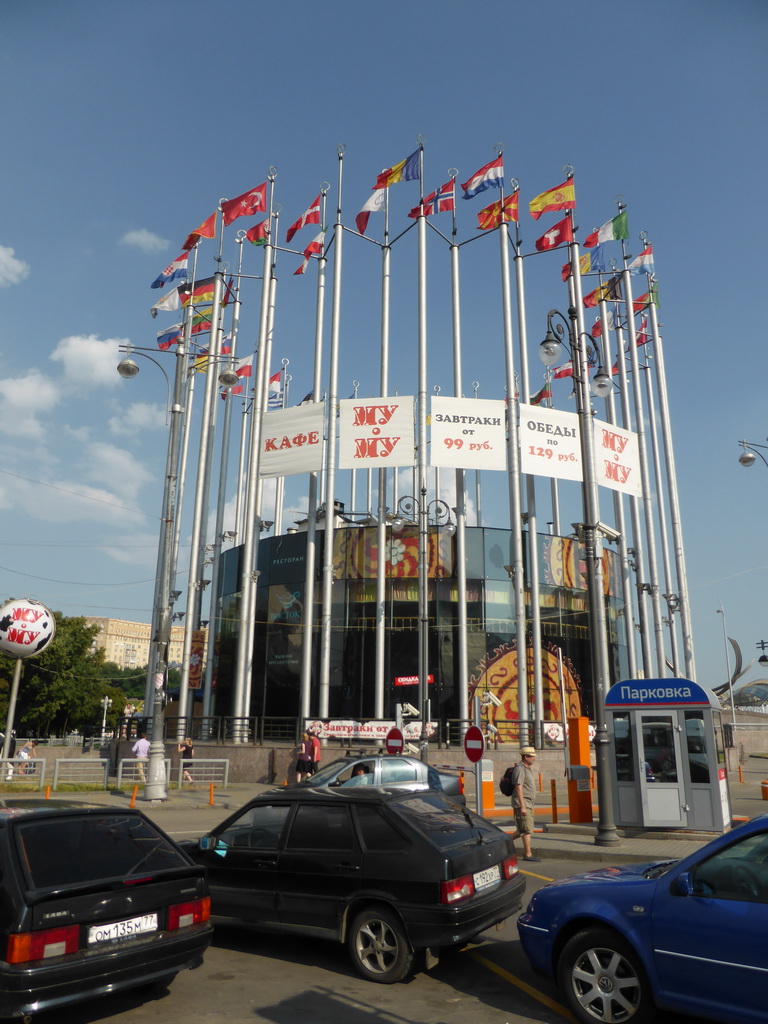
379	947
602	979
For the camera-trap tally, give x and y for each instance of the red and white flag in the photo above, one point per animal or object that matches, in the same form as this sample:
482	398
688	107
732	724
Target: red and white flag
442	200
314	248
244	367
311	216
245	205
374	205
557	235
566	370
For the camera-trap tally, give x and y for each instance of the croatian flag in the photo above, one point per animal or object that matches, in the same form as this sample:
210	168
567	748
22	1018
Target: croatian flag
490	176
176	269
275	392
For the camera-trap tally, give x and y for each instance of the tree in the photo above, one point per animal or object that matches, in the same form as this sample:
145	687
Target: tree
60	689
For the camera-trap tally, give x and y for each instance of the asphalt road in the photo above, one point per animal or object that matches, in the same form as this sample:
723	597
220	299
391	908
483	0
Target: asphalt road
249	978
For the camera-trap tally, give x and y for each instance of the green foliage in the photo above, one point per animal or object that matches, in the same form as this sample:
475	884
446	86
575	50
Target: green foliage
61	689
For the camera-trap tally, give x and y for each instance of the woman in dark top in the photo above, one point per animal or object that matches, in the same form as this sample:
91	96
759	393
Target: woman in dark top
187	752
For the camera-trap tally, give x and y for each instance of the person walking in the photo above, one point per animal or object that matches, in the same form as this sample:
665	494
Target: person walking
187	752
304	758
140	750
524	798
316	749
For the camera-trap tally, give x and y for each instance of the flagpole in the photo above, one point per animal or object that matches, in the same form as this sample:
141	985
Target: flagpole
618	502
461	669
478	495
195	582
380	653
530	485
674	502
248	577
515	497
280	481
650	533
330	459
226	428
310	559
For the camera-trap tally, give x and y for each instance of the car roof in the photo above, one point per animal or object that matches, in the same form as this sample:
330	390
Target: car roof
303	793
13	810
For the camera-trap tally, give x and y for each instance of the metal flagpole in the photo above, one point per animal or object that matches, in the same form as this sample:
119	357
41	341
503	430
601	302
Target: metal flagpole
353	473
618	510
195	582
330	463
213	613
674	503
381	524
478	496
650	532
307	625
670	598
530	485
244	662
514	477
461	668
280	482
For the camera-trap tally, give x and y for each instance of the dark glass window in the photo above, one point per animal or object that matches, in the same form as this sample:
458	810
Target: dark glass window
696	743
260	827
379	834
67	851
624	747
321	828
444	824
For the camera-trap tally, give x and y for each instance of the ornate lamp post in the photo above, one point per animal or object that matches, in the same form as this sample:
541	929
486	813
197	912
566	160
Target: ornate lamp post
550	352
409	507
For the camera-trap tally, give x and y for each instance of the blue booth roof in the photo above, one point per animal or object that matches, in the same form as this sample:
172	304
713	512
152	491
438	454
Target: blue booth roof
660	693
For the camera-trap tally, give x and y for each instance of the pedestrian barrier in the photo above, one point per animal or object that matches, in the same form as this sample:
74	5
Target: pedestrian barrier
82	771
131	770
25	771
203	770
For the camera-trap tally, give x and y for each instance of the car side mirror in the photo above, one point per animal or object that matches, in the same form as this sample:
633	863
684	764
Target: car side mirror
684	884
206	842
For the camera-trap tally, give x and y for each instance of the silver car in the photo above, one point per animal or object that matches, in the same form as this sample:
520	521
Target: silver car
387	770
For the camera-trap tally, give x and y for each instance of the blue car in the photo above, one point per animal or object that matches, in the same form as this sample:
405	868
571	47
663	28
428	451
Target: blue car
687	935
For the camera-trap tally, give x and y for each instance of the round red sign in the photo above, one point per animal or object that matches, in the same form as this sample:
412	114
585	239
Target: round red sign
394	741
474	744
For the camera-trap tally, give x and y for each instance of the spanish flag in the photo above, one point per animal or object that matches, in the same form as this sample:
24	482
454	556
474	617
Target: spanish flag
563	197
406	170
492	216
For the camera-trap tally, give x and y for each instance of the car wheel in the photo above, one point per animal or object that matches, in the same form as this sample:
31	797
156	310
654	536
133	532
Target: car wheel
602	979
378	946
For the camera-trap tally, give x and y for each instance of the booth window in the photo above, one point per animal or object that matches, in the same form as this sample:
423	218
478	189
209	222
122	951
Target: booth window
698	763
625	756
659	747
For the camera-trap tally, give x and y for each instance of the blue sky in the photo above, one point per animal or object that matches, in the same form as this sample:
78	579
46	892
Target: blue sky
130	121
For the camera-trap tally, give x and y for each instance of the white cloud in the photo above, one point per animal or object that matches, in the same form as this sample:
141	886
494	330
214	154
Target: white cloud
11	270
89	362
22	401
136	417
65	501
115	469
145	240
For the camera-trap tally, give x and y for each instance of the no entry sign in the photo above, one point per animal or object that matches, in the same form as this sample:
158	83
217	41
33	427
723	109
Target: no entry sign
394	741
474	744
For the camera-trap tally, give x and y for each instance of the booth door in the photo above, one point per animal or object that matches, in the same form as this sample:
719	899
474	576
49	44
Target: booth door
662	783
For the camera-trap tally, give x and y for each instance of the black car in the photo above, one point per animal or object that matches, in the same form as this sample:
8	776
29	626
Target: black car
92	901
387	872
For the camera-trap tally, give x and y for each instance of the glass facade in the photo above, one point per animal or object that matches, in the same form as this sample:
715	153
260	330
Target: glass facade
491	647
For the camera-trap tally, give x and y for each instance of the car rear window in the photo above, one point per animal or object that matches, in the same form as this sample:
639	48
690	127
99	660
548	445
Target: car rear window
57	852
378	833
442	822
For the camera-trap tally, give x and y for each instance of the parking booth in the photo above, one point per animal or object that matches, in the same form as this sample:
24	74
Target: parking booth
667	755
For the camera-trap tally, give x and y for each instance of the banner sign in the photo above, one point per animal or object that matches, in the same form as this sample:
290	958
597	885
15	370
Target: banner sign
350	728
196	659
376	432
468	433
617	459
292	440
549	443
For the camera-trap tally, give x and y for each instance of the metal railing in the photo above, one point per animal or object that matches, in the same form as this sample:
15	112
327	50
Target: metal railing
81	771
204	770
24	771
133	770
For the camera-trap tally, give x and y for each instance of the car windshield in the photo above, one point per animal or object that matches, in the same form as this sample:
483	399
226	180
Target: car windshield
443	823
341	767
56	852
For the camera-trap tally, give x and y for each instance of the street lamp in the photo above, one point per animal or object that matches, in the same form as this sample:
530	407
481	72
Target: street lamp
589	533
156	787
106	704
750	453
440	511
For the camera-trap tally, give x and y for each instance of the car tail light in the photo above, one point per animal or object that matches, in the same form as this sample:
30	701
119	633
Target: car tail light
509	867
182	915
26	946
457	889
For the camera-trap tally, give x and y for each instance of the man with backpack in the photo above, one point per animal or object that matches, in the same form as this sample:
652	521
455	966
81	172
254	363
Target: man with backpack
523	798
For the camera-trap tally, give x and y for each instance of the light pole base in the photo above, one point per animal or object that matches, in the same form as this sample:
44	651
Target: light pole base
607	836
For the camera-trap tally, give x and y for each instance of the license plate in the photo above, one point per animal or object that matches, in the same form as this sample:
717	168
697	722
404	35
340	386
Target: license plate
489	876
118	930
